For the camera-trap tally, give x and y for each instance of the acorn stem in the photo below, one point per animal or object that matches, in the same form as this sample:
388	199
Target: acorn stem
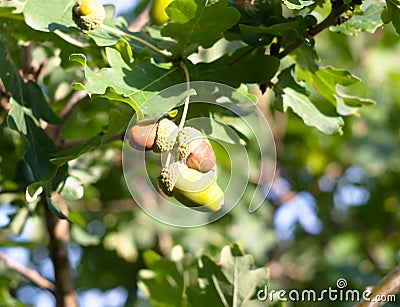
186	106
138	39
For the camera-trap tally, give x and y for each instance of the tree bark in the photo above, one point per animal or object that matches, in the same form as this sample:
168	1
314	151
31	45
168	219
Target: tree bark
59	237
389	285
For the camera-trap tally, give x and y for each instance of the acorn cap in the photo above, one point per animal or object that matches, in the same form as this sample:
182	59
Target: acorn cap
89	21
167	178
167	132
188	139
196	151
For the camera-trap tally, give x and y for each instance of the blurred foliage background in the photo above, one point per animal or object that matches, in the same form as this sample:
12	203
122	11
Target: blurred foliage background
340	221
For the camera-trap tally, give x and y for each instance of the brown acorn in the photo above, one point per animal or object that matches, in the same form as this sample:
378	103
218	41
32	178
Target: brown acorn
142	135
149	134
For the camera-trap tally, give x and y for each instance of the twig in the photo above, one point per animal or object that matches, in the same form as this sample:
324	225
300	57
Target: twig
330	20
54	131
389	285
75	98
30	70
13	191
59	237
139	21
28	273
186	106
234	61
71	144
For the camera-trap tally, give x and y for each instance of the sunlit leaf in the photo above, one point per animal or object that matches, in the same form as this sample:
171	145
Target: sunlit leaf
297	4
369	20
311	116
71	188
198	22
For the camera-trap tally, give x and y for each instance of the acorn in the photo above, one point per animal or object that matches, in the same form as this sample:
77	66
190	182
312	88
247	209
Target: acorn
143	134
157	13
195	150
192	188
88	14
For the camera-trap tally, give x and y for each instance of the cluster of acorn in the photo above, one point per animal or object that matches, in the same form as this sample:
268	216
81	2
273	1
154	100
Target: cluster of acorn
190	177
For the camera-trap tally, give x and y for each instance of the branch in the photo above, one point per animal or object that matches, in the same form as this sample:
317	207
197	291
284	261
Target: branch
139	21
63	145
13	191
59	237
28	273
389	285
75	98
330	20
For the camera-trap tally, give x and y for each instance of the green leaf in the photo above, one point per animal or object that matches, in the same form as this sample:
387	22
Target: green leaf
28	94
326	79
286	80
287	31
125	50
392	13
198	23
298	4
28	107
33	191
233	281
238	68
49	15
82	237
182	279
61	157
167	279
38	145
159	105
71	188
19	220
367	21
311	116
117	122
133	85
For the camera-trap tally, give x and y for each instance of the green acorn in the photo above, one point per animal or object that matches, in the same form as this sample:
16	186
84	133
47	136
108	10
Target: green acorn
88	14
192	188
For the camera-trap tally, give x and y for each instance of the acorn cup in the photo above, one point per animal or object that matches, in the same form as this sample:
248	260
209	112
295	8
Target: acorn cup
195	150
88	14
199	191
